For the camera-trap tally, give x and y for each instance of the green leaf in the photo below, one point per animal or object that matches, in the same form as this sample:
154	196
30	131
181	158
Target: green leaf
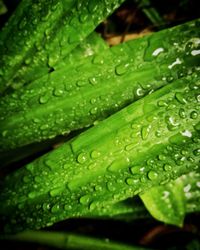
170	202
3	8
167	203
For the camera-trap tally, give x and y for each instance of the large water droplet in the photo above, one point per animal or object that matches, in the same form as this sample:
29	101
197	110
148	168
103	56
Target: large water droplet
180	98
167	167
56	191
81	158
193	115
182	113
55	208
85	199
121	69
118	164
32	195
95	154
145	132
58	92
196	152
152	175
43	99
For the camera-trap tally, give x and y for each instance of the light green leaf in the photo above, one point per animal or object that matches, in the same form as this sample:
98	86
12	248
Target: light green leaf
3	8
170	202
166	203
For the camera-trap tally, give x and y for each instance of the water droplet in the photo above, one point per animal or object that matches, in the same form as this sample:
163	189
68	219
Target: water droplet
49	163
110	186
43	99
55	208
56	191
37	179
36	120
178	61
161	157
4	133
95	154
93	111
161	103
81	83
81	158
182	113
93	100
169	79
85	199
44	127
83	17
58	92
92	6
152	175
193	115
118	164
145	132
32	195
130	146
180	98
197	126
158	133
143	179
167	167
93	205
93	80
121	69
196	152
26	179
98	59
157	51
171	123
131	181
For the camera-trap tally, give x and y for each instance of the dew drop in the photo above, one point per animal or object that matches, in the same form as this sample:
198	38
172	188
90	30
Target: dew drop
161	157
81	83
44	127
93	80
93	111
196	152
43	99
37	179
4	133
130	146
98	59
171	123
167	167
180	98
193	115
152	175
182	113
118	164
130	181
197	127
161	103
32	195
56	191
145	132
95	154
81	158
55	208
58	92
110	186
26	179
83	17
85	199
121	69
